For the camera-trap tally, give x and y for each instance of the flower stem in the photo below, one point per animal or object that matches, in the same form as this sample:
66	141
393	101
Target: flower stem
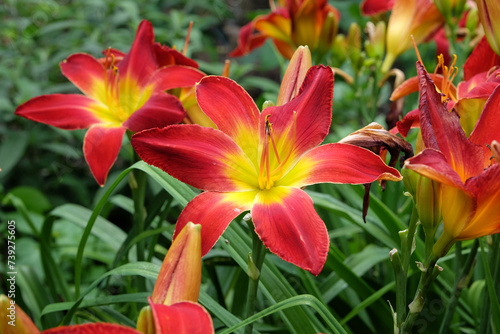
401	264
460	283
255	261
429	272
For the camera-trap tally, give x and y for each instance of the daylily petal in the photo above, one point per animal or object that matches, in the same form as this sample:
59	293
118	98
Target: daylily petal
288	225
375	7
441	130
101	146
248	41
469	110
304	122
166	56
86	73
411	85
93	328
486	129
304	30
480	60
334	163
433	164
486	220
65	111
182	318
458	207
214	211
177	76
139	64
276	25
203	157
230	107
411	120
160	110
180	274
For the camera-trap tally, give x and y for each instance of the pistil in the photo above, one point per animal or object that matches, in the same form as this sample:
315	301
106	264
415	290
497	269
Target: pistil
266	176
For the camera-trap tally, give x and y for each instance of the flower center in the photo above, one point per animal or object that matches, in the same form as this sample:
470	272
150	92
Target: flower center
449	74
112	87
271	172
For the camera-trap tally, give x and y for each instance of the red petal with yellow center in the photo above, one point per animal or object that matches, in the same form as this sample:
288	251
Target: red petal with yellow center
86	73
304	122
101	146
338	163
487	127
159	111
139	63
181	318
69	112
486	220
288	225
230	107
214	211
441	130
177	76
203	157
96	328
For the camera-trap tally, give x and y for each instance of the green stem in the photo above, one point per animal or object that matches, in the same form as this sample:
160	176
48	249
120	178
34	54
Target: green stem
137	182
460	283
255	261
429	272
401	267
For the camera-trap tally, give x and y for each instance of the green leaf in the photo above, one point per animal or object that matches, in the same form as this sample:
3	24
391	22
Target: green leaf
490	284
33	199
144	269
104	230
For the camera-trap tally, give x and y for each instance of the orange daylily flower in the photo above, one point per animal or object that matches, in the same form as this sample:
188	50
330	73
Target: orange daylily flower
469	178
291	23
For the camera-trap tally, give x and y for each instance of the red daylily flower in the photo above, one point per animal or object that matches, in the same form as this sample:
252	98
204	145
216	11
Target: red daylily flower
469	178
305	22
259	162
122	92
183	74
481	77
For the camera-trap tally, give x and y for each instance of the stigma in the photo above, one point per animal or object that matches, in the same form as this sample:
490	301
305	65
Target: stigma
271	171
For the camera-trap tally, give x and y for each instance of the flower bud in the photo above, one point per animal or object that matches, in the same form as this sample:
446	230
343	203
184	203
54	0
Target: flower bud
13	319
180	274
489	11
294	75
